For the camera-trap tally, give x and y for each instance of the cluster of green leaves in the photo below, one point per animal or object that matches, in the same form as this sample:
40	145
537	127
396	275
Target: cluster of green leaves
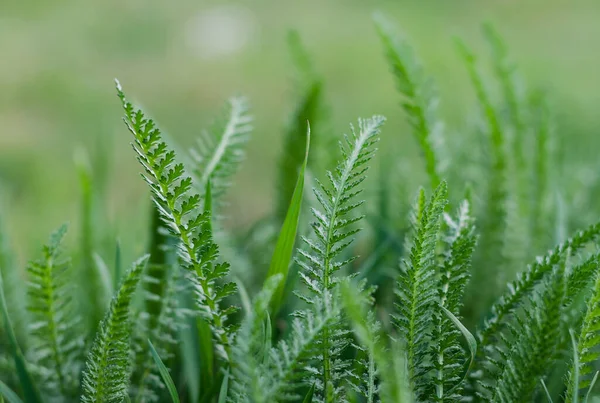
461	317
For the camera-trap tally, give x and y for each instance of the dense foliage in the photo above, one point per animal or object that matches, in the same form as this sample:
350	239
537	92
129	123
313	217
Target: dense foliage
450	299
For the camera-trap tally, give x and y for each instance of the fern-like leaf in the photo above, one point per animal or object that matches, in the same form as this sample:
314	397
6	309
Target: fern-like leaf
417	285
179	207
54	324
448	356
252	348
333	234
588	343
534	343
106	377
420	98
220	149
494	220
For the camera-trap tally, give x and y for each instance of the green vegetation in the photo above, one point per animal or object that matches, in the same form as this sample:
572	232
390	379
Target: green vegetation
473	293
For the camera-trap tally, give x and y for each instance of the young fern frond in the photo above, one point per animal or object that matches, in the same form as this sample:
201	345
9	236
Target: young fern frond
503	310
291	357
588	344
220	149
417	285
420	98
179	207
534	342
364	378
507	73
333	234
582	275
518	204
251	349
56	345
106	376
448	356
543	129
390	364
524	284
494	222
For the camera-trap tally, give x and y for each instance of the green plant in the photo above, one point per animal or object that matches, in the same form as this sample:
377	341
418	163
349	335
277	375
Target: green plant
315	327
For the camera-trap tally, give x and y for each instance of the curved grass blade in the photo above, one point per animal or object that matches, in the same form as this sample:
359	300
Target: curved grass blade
164	373
224	389
471	342
30	391
7	392
282	256
592	384
546	391
575	376
309	396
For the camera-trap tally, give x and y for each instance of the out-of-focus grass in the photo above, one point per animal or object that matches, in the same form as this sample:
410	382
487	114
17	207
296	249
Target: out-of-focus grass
58	60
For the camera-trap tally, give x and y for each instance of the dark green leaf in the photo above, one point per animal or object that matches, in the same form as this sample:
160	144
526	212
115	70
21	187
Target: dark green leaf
282	256
9	394
164	373
30	390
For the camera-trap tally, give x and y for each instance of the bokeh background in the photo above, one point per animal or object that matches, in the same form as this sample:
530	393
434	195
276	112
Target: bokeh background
182	59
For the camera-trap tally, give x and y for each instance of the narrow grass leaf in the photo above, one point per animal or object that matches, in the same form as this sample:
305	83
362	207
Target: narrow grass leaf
30	390
224	389
282	256
471	342
575	374
309	396
164	373
592	384
546	391
7	392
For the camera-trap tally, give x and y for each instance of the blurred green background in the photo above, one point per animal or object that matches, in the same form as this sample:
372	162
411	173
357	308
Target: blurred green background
182	59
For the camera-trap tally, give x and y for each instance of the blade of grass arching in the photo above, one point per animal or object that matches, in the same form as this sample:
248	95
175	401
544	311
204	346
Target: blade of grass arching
30	390
284	248
309	395
164	373
224	389
546	391
7	392
105	279
591	387
575	366
244	297
471	343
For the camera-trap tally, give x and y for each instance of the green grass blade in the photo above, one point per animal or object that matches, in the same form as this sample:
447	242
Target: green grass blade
575	374
309	396
7	392
224	389
282	256
592	384
471	342
30	390
546	391
164	373
105	277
